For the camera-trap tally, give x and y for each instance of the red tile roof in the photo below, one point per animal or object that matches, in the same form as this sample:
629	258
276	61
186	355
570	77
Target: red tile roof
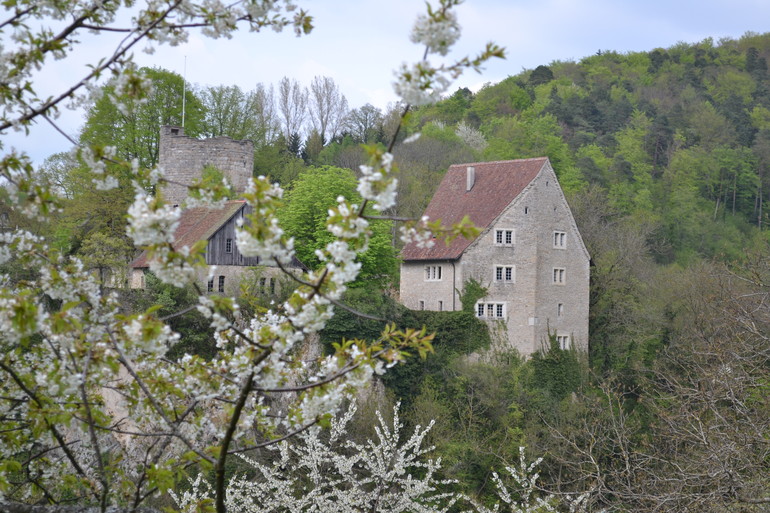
197	224
497	184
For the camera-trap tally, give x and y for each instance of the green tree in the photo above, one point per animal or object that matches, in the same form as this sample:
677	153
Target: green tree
135	132
240	115
304	217
91	410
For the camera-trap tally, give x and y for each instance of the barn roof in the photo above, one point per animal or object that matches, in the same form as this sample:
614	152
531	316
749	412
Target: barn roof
496	185
197	224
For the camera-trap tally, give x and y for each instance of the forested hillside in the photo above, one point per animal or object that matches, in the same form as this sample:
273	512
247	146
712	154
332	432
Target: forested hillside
678	138
665	159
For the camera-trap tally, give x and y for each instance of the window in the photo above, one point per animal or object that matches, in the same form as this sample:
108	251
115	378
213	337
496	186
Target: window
221	284
229	246
272	286
422	305
262	282
560	310
505	273
440	306
490	310
432	273
563	341
504	237
559	240
558	275
210	286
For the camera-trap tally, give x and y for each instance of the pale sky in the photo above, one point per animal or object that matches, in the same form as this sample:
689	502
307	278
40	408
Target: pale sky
360	42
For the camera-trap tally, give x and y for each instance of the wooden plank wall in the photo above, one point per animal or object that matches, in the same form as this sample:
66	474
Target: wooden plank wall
216	251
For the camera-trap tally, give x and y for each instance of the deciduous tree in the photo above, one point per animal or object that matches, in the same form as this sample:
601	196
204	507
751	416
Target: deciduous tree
91	409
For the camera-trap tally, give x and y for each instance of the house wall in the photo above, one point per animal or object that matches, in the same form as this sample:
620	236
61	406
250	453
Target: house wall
573	293
216	250
234	276
532	299
415	287
483	256
183	158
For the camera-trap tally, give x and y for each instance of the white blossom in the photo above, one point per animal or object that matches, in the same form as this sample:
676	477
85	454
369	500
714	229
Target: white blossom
438	32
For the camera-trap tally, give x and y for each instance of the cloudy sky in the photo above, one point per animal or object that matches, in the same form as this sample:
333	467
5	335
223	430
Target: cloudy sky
360	42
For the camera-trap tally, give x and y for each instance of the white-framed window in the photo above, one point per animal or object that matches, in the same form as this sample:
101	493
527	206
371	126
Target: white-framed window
505	273
433	273
563	341
504	237
490	310
559	240
558	275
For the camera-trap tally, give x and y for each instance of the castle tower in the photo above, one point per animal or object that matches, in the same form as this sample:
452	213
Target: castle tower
183	159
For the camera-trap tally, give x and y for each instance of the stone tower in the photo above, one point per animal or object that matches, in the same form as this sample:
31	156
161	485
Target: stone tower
183	159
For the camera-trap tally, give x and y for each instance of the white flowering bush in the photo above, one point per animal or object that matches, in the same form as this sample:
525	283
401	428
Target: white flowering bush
326	472
91	410
527	496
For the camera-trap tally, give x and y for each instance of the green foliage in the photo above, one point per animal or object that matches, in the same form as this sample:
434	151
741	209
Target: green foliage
557	371
196	334
470	295
457	334
304	218
136	134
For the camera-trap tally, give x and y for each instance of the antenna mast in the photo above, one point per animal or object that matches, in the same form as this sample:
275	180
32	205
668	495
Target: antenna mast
184	88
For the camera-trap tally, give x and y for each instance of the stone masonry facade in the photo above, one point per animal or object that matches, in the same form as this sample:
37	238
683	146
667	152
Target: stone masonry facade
183	159
532	261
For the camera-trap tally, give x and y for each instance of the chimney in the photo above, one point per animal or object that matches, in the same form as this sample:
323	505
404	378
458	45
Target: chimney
470	176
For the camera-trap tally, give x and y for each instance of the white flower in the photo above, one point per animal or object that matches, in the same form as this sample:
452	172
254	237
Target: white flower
421	83
438	32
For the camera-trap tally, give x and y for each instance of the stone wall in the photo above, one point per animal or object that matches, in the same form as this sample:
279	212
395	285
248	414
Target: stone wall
183	159
533	303
532	300
417	292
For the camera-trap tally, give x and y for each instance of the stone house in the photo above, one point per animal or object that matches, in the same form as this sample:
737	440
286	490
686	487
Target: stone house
529	255
183	159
